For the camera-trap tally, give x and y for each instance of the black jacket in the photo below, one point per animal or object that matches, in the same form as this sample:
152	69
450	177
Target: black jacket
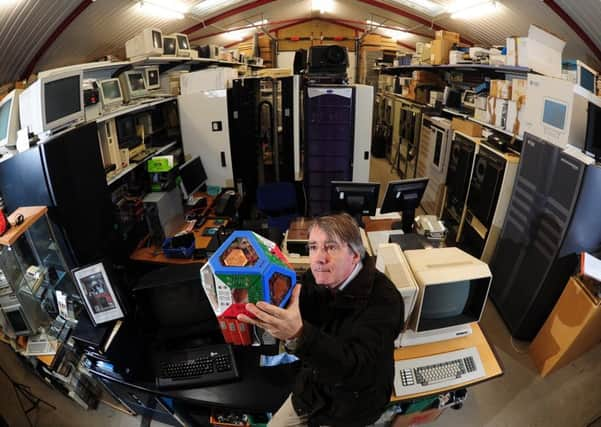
346	349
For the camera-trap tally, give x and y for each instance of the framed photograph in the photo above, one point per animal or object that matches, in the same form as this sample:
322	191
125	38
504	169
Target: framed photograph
98	294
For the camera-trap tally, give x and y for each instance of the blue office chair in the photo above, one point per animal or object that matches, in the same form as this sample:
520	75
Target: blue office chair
278	202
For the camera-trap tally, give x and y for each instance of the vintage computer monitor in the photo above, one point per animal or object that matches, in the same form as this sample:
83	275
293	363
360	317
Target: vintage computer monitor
182	45
592	142
111	94
355	198
52	102
453	288
169	45
152	78
172	302
133	85
148	43
404	196
9	118
193	177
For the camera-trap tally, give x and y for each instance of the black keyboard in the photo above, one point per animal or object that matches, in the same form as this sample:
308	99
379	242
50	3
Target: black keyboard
205	365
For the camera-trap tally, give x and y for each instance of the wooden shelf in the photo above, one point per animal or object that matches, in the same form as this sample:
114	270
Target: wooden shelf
30	214
132	166
148	102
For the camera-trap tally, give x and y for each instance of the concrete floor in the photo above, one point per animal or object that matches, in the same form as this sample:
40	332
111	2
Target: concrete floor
566	398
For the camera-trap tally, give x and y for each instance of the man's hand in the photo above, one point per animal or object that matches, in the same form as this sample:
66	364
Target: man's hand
283	324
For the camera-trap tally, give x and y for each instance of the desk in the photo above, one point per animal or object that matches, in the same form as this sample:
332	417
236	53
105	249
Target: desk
475	339
154	254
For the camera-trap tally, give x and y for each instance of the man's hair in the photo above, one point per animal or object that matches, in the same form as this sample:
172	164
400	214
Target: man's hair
342	227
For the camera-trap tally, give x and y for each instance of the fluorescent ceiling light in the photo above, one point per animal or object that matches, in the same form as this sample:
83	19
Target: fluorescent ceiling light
472	9
323	5
426	6
163	9
259	23
208	6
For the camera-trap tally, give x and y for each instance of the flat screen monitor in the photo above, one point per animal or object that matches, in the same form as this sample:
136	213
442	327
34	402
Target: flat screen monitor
9	118
404	196
110	92
355	198
169	45
453	287
151	78
592	142
193	176
555	113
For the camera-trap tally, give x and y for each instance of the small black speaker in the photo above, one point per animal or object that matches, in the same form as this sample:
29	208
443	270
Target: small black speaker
458	175
300	61
486	185
328	59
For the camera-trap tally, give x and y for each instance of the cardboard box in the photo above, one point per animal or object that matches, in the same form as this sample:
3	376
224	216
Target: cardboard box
466	127
447	35
541	51
515	114
440	52
482	115
417	418
480	102
425	76
500	89
519	88
423	52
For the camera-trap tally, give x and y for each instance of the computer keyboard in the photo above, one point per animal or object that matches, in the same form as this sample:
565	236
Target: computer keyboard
143	154
435	372
200	366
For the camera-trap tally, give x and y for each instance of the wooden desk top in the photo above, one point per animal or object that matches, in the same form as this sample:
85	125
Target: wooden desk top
154	254
30	215
476	339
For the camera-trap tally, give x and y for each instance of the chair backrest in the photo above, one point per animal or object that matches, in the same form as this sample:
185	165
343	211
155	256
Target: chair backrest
278	201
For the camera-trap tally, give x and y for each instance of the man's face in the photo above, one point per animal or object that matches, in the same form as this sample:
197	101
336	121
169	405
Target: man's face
331	261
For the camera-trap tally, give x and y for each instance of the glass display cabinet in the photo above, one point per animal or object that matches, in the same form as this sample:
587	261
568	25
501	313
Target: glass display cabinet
32	268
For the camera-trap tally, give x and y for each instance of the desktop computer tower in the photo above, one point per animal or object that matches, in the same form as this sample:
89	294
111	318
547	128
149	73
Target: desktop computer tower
487	178
164	213
461	162
553	215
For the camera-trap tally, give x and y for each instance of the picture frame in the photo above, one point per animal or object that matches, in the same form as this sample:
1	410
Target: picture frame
98	294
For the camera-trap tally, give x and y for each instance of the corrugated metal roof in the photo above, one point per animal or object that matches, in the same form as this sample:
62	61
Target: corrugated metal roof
24	27
105	25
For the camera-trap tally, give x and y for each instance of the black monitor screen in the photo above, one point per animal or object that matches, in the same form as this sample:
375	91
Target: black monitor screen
587	79
355	198
169	46
126	131
404	196
15	318
193	175
451	304
182	42
153	77
592	144
136	82
62	98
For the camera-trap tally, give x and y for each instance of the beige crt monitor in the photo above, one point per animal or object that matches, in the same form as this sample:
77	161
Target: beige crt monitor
453	289
394	265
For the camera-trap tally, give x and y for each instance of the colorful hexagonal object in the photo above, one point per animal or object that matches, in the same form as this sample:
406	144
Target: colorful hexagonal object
246	268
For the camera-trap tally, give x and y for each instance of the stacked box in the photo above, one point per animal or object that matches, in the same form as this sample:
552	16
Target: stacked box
246	268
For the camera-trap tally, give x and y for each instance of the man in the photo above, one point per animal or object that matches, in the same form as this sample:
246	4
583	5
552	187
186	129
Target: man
342	326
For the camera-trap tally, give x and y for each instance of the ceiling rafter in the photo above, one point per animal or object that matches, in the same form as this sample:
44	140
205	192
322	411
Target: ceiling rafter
226	14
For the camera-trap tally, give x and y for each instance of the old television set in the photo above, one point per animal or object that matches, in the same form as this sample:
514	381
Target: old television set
148	43
453	289
133	85
9	118
592	142
169	45
354	198
111	95
152	78
182	45
404	196
53	101
127	134
193	177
